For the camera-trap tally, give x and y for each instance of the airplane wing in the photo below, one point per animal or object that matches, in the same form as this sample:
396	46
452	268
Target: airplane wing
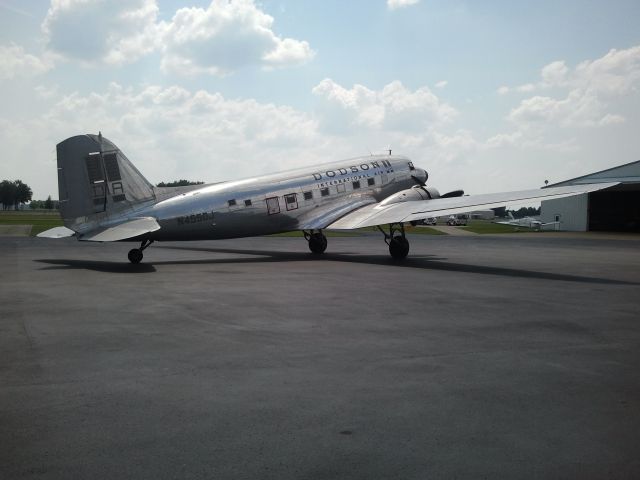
382	214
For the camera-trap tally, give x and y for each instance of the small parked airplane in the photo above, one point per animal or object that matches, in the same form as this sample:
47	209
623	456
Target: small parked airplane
527	222
104	198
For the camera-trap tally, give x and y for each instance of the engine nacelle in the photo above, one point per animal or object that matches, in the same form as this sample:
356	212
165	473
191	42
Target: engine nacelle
416	192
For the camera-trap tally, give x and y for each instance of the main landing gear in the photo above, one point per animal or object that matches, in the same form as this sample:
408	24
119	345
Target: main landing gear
317	241
397	241
135	254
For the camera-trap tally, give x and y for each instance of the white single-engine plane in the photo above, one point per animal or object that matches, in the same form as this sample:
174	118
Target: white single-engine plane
527	222
104	198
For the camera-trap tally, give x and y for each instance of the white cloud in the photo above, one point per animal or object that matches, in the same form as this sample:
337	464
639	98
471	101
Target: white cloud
95	31
217	40
394	4
591	95
554	74
441	84
393	108
17	63
224	37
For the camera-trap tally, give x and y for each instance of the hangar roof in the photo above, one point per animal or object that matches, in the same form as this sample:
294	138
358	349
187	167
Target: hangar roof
627	173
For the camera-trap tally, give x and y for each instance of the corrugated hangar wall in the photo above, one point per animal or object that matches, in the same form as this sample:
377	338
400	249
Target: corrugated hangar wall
614	209
571	212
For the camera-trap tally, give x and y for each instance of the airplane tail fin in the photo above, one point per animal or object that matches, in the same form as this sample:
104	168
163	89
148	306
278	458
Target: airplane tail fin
97	181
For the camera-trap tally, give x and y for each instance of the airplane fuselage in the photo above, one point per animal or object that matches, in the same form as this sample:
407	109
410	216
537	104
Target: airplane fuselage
293	200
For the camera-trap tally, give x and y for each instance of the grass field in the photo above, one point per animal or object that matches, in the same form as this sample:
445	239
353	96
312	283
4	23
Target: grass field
41	220
485	226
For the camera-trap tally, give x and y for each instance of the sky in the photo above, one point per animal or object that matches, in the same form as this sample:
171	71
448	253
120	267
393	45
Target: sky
486	96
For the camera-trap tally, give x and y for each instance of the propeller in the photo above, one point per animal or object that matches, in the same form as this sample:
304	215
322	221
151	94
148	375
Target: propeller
454	193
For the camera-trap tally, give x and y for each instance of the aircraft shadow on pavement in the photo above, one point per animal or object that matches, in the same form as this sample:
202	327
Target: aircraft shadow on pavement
105	267
428	262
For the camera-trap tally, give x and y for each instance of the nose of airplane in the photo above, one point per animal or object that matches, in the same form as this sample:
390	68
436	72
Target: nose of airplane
420	175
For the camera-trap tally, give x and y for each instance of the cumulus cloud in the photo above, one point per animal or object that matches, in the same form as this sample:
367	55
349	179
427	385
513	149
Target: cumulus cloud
393	108
591	95
217	40
17	63
172	132
96	31
224	37
395	4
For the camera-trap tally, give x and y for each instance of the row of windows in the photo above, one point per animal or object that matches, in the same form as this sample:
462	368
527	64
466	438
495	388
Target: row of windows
324	192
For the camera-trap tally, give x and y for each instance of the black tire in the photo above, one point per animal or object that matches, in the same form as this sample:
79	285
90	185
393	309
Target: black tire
317	243
135	255
399	247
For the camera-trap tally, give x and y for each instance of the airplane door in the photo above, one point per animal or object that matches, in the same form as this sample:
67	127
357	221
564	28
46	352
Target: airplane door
273	205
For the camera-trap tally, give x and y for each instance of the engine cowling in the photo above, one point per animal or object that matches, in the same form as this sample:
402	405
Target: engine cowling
417	192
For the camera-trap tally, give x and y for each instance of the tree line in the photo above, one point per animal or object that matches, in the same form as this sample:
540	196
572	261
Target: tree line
178	183
13	193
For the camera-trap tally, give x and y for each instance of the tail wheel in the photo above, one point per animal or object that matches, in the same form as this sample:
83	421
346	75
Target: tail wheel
399	247
135	255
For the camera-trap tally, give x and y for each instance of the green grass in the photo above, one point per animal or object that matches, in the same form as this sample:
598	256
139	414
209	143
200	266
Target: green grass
487	227
423	231
40	220
362	231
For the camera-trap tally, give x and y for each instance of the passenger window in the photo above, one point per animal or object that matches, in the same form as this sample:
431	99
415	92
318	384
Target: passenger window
232	203
341	188
247	203
308	195
291	201
324	192
356	185
371	181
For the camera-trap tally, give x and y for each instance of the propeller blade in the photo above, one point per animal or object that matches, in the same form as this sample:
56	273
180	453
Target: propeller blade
455	193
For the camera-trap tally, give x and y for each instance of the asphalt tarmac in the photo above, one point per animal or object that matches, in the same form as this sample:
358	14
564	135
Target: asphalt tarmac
478	357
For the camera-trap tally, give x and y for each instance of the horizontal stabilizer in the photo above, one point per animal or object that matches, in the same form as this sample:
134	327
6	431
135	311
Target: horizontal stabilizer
57	232
122	231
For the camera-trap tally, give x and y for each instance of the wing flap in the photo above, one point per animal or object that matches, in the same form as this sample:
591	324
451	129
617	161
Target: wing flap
372	215
122	231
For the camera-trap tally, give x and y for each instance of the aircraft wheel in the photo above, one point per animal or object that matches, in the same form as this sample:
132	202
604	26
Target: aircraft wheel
399	247
135	255
318	243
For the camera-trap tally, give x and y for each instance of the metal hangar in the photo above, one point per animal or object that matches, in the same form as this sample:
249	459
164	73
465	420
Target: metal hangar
614	209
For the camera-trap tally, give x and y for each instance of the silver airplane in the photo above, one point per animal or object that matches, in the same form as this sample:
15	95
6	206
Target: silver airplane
104	198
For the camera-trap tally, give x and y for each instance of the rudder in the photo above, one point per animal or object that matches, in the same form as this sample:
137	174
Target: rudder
96	180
